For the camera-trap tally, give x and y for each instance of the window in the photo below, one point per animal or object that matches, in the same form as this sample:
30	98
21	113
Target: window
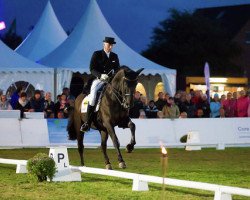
27	87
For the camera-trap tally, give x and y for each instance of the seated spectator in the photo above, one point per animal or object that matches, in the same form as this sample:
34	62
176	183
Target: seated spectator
23	104
62	106
136	110
215	106
15	96
171	110
204	105
183	115
37	102
49	106
151	110
160	102
199	113
222	113
60	115
242	104
4	103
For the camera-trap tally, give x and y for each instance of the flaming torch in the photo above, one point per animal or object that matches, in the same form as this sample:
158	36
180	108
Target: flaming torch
164	164
2	25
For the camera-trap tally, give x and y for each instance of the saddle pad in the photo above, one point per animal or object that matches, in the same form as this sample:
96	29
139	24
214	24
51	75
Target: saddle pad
84	106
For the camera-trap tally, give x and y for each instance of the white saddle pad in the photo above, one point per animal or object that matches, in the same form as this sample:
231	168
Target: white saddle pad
85	102
84	107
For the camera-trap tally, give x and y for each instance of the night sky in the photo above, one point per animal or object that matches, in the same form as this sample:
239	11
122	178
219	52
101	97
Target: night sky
132	20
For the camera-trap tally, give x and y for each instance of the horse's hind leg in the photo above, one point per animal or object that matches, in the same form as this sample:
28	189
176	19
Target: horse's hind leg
80	147
130	146
104	136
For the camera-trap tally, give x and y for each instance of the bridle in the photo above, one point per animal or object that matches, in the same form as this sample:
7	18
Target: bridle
121	98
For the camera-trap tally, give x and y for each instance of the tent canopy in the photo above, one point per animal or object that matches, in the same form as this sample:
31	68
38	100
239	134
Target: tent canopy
76	51
14	67
45	37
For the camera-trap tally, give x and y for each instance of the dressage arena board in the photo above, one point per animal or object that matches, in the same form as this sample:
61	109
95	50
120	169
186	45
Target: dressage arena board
219	132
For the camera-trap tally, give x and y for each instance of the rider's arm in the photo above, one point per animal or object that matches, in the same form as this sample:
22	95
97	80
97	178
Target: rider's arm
94	65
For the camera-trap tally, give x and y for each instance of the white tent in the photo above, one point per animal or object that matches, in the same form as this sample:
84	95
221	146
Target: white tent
14	67
75	52
44	38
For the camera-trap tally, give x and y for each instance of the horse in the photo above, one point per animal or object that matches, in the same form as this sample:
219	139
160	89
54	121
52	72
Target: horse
116	100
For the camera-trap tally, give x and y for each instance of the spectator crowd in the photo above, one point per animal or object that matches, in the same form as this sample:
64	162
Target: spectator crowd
39	102
192	105
183	105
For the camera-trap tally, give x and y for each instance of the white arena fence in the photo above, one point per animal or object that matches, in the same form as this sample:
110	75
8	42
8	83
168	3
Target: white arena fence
140	181
34	131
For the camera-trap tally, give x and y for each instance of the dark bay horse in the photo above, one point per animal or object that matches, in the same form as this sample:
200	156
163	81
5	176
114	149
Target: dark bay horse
114	106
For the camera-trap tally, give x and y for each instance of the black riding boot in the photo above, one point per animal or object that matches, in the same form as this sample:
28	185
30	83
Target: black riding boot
87	124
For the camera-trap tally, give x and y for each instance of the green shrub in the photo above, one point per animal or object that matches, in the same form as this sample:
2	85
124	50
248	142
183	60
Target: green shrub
42	166
183	139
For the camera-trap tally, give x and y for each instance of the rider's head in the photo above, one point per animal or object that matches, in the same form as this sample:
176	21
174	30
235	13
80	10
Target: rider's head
108	43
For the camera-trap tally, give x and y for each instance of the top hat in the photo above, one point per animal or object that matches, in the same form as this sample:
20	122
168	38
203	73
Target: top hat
109	40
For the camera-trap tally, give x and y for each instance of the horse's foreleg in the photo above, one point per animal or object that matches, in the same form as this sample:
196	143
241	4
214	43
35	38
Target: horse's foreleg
130	146
104	136
116	143
80	147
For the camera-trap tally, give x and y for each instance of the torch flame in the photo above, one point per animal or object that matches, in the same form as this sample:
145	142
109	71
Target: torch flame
164	151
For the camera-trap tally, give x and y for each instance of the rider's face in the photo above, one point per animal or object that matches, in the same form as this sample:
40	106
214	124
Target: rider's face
107	47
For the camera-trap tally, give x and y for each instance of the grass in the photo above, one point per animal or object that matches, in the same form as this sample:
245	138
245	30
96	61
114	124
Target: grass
229	167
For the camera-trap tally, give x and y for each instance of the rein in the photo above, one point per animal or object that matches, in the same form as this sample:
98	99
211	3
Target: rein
119	96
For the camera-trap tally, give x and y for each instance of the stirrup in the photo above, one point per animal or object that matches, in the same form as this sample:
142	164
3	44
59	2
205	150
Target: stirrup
85	127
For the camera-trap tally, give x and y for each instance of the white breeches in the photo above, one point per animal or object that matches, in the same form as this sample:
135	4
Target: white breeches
96	85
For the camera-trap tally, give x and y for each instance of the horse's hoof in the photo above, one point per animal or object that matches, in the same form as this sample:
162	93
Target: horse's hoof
129	148
109	167
122	165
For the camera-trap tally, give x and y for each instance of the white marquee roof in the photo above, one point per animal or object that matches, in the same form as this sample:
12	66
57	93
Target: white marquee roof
44	38
75	52
13	62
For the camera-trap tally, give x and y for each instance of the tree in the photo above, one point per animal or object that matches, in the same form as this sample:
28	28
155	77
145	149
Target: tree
186	41
11	38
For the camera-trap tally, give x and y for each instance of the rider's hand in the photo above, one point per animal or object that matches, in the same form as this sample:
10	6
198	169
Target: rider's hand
104	77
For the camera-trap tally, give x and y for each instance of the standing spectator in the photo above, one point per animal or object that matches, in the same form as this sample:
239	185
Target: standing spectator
151	110
69	96
190	107
49	106
37	102
160	102
23	104
242	104
4	103
177	98
171	110
15	96
136	110
215	106
197	98
229	106
222	98
204	105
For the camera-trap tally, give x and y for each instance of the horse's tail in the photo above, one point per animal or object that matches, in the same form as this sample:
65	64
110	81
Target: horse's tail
70	127
74	120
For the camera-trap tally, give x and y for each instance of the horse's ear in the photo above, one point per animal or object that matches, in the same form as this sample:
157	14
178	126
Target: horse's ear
139	71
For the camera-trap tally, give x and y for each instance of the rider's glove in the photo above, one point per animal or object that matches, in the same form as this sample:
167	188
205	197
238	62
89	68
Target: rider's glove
104	77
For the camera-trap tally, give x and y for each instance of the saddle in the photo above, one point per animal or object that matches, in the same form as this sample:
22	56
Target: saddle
85	101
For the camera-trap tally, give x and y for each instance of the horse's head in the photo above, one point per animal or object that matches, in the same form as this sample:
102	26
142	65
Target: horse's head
125	82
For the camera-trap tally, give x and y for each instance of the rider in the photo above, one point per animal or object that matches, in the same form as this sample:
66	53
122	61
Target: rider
102	65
